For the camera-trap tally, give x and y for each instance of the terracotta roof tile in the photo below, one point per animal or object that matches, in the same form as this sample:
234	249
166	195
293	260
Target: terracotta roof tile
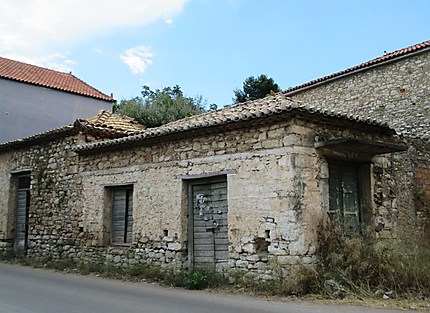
111	125
104	125
380	60
35	75
261	108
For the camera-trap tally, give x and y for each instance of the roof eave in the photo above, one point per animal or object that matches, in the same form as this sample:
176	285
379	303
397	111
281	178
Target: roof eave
149	137
317	83
33	140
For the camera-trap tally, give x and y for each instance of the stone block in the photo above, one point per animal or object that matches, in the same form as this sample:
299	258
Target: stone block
276	250
269	144
175	246
249	248
242	264
253	258
299	247
288	260
247	239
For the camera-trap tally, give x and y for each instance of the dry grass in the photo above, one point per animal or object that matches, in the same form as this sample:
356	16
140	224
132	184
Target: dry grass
364	267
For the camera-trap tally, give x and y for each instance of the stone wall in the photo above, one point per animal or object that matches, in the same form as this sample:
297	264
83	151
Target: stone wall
423	186
5	217
393	195
54	209
397	93
422	194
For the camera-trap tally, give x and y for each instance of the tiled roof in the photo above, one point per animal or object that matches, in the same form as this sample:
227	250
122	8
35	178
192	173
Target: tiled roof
270	106
374	62
108	124
39	76
103	125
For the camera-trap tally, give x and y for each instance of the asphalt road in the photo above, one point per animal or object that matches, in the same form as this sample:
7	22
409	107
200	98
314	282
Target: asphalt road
28	290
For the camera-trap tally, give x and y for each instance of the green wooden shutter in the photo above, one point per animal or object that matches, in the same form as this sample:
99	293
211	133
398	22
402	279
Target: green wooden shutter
351	203
344	197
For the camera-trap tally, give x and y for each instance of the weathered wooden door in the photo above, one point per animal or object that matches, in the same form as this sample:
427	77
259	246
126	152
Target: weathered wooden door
345	196
122	216
208	224
21	215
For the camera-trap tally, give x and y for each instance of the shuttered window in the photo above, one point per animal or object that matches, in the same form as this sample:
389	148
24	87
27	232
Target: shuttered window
344	194
122	215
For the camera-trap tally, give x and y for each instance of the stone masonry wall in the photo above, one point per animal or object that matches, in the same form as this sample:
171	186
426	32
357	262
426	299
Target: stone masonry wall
423	186
397	93
54	210
393	195
5	214
422	194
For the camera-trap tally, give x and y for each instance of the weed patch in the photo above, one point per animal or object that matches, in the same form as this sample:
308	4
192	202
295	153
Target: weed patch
202	279
365	267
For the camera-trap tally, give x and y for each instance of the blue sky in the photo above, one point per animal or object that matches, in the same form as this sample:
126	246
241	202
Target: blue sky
208	47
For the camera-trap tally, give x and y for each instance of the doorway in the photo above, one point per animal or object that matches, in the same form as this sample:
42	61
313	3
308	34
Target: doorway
22	202
208	223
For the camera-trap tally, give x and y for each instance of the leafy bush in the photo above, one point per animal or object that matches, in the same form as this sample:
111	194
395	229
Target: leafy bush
196	280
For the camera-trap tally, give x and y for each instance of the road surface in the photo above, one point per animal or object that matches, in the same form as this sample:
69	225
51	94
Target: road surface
29	290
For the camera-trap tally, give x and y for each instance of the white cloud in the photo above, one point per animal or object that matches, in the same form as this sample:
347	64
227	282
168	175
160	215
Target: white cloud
169	22
56	61
32	28
138	58
59	62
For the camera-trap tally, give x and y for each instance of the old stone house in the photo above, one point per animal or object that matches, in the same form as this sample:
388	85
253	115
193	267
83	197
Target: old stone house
37	99
238	188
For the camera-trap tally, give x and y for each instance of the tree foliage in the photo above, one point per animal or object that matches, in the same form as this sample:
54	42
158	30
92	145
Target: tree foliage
255	88
160	106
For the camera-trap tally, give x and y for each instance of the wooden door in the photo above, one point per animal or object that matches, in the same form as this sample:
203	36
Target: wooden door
208	223
122	216
21	215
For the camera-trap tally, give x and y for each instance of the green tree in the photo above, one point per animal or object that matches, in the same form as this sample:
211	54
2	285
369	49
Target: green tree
255	88
157	107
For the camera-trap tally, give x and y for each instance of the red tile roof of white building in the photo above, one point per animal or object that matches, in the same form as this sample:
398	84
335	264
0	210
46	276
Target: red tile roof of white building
39	76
